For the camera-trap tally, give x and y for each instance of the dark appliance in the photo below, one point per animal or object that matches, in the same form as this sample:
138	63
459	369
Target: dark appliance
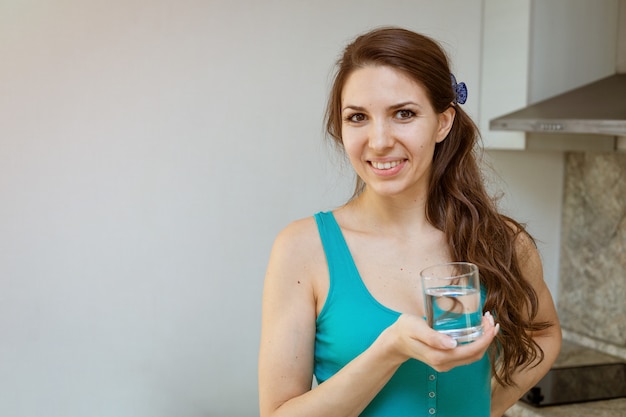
577	384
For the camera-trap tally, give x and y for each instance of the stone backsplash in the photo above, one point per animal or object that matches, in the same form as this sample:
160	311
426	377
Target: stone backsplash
592	284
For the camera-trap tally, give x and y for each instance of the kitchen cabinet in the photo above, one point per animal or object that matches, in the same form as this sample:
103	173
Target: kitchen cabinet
535	49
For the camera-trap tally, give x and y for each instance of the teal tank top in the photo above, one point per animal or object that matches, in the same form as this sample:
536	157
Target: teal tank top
352	319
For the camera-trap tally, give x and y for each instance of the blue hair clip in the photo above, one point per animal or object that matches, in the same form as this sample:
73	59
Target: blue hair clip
460	91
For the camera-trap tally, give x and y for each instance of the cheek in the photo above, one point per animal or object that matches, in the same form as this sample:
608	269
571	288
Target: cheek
353	154
351	143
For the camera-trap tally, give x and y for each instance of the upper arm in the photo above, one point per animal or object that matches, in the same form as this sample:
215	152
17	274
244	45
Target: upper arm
549	339
288	316
532	271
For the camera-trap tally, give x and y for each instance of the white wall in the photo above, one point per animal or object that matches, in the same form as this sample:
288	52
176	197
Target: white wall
563	56
150	150
531	185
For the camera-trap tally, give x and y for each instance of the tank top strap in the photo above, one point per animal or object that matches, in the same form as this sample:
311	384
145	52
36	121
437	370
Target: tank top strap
338	256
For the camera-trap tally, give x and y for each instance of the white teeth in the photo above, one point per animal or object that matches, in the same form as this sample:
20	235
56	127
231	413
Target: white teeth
385	165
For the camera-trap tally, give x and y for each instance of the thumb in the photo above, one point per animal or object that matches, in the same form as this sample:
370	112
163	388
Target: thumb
445	341
439	340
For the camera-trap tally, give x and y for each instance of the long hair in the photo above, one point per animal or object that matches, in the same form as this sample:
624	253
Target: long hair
458	203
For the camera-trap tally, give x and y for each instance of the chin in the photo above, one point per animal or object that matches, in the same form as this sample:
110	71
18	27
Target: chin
390	192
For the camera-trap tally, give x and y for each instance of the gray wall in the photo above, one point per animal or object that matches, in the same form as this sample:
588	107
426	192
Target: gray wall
150	150
593	257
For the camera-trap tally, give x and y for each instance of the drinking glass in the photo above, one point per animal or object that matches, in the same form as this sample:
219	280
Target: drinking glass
452	300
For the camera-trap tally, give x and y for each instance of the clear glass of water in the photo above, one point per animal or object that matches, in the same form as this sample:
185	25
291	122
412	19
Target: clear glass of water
452	301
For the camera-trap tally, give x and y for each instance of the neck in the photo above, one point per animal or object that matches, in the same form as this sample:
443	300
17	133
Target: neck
396	213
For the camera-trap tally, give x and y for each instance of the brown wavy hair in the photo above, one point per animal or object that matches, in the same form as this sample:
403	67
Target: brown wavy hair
458	203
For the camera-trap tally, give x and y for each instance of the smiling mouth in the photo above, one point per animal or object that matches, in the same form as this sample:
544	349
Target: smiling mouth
385	165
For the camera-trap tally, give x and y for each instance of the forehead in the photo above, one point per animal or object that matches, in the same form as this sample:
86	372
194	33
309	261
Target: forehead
381	83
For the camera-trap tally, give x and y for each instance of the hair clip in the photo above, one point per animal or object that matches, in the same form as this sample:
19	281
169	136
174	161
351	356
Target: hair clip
460	90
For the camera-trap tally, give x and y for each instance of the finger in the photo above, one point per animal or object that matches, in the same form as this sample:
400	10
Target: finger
466	353
438	340
441	341
445	342
492	327
479	345
425	335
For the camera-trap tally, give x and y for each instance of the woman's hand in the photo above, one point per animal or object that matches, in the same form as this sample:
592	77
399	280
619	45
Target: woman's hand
410	337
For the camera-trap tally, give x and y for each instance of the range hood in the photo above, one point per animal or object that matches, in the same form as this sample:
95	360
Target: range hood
596	108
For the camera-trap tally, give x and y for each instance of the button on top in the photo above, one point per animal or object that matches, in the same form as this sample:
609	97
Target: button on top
431	377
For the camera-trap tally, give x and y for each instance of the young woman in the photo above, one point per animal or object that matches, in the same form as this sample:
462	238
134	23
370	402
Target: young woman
342	298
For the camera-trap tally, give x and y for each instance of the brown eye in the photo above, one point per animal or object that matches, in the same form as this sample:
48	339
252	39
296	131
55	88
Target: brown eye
357	117
404	114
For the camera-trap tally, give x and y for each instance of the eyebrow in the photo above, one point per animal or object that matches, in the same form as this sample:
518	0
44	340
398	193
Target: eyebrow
392	107
404	104
351	107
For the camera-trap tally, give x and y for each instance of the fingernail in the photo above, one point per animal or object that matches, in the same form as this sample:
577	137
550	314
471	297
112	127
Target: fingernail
490	318
450	342
496	329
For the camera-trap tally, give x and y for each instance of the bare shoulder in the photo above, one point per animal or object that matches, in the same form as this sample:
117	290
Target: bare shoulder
299	239
529	258
527	253
301	230
297	251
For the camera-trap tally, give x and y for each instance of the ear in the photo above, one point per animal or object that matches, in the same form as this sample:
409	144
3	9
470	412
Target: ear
446	118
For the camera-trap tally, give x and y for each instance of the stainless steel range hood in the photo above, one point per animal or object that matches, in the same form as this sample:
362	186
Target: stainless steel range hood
596	108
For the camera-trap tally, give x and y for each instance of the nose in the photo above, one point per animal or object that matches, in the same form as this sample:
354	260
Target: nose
380	136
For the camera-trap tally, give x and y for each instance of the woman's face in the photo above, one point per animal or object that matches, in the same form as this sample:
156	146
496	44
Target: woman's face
389	130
